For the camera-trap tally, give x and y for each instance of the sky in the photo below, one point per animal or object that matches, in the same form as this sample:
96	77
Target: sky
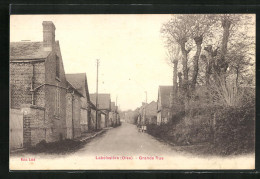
130	49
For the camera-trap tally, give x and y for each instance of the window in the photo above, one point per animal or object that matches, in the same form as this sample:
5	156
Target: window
57	67
57	101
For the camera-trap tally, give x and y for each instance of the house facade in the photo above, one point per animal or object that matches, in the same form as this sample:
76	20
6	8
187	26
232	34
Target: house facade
73	112
147	113
38	87
79	82
163	104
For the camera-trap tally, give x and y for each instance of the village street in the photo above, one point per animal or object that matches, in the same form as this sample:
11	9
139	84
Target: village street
126	148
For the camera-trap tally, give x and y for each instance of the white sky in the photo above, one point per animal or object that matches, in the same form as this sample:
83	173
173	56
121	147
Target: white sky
130	49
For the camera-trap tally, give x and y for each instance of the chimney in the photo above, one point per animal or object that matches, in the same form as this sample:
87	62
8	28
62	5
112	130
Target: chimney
48	35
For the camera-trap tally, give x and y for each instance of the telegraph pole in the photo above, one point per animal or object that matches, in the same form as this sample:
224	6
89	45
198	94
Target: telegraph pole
97	95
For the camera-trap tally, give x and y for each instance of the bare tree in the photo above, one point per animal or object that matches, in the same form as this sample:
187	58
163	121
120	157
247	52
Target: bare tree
209	60
200	27
178	30
174	55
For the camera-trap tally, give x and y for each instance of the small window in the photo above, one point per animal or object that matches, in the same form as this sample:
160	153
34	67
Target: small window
57	67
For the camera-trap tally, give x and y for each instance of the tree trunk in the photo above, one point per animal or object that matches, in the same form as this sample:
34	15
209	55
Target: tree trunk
211	54
237	73
222	65
180	81
184	67
198	41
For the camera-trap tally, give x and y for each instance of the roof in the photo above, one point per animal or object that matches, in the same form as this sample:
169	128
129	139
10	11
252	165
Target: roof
27	51
104	100
79	81
70	85
165	92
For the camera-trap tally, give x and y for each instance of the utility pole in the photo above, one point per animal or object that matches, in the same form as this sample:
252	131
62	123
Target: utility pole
97	95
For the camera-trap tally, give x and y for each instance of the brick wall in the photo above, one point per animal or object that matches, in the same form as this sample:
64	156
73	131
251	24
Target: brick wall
26	131
21	74
69	116
76	116
34	125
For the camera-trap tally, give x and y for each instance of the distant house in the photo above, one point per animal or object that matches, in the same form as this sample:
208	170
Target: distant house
163	104
104	105
79	81
151	112
38	88
148	113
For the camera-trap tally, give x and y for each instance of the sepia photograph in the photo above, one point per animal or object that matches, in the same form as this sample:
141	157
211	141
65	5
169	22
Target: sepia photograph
132	92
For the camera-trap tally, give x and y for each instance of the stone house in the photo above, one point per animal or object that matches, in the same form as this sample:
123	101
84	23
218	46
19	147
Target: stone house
73	111
104	106
79	81
164	104
38	87
147	113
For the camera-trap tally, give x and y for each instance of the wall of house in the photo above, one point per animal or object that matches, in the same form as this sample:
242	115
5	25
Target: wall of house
110	120
34	126
103	121
21	74
73	107
69	130
84	114
92	119
76	116
57	124
84	120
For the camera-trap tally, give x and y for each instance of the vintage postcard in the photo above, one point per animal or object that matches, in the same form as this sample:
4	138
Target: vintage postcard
132	92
